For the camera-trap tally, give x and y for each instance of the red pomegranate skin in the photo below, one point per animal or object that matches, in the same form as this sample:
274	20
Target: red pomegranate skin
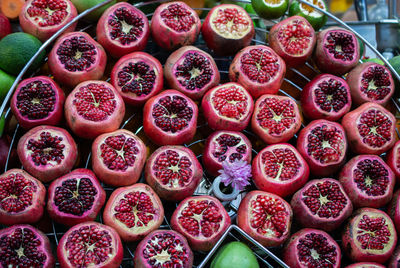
393	209
394	261
365	265
5	26
393	160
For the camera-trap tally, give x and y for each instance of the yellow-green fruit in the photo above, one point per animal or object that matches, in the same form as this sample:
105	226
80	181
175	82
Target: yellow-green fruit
235	255
82	5
6	82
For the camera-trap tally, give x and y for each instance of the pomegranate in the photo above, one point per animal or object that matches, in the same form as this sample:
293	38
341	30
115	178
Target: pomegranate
122	29
43	18
173	172
393	160
163	248
38	101
47	152
94	107
118	157
228	107
75	197
227	29
202	220
394	261
21	198
137	77
223	146
370	129
134	211
75	58
293	39
5	151
170	118
90	244
326	97
323	145
25	246
365	265
259	69
369	235
370	82
5	26
175	24
312	248
337	51
266	217
192	71
393	209
276	118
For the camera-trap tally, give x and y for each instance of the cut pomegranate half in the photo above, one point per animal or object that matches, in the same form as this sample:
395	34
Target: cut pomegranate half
393	160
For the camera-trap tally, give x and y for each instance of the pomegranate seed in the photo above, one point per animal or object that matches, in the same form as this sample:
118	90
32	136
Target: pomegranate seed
47	148
230	101
375	83
224	142
331	95
375	128
119	152
295	37
137	78
315	251
259	65
231	22
341	45
47	13
280	164
371	177
373	233
178	18
126	26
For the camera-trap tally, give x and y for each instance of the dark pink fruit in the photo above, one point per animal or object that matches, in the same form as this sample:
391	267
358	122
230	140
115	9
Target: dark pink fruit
118	157
192	71
94	107
276	118
259	69
122	29
369	236
47	152
394	209
170	118
75	58
173	172
202	220
370	129
326	97
394	261
228	107
4	151
365	265
393	160
5	26
175	24
38	101
137	77
90	244
266	217
134	211
323	145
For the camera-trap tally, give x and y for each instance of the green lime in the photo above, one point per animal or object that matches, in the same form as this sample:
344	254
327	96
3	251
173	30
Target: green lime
235	255
270	9
82	5
314	17
16	50
6	82
376	60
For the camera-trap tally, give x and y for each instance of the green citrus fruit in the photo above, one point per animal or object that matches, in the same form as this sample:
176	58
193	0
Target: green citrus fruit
270	9
6	82
82	5
395	62
376	60
235	255
314	17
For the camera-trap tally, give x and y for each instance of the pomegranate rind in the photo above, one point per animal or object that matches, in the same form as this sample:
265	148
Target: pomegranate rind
118	177
352	246
114	47
133	233
365	265
393	209
175	193
201	242
132	58
395	259
31	213
70	219
177	58
50	171
244	218
114	257
255	88
393	160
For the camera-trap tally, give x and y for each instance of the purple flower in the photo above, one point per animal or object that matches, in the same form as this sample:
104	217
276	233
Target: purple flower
237	174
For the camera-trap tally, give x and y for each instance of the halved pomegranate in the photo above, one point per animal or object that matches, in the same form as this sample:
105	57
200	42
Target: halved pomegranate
227	29
326	97
191	71
259	69
280	169
47	152
94	107
175	24
369	236
276	118
293	39
323	145
365	265
266	217
395	259
137	77
75	58
170	118
44	18
202	220
21	198
122	29
134	211
90	244
228	107
393	209
393	160
370	129
173	172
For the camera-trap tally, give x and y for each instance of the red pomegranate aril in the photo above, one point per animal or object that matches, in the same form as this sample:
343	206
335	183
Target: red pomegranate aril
393	209
393	160
365	265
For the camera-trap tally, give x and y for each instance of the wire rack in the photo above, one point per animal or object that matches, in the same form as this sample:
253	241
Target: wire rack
293	83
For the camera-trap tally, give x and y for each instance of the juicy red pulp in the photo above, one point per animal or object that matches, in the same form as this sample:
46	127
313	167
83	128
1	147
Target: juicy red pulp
371	177
295	37
177	17
281	164
226	142
331	95
230	102
375	83
126	26
77	54
138	78
373	233
47	13
47	148
259	65
374	127
315	250
340	45
119	152
231	23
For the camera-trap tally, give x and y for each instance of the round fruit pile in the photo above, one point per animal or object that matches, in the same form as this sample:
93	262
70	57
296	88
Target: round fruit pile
327	165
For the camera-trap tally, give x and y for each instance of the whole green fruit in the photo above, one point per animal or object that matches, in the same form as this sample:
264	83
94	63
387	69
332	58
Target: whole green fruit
235	255
82	5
